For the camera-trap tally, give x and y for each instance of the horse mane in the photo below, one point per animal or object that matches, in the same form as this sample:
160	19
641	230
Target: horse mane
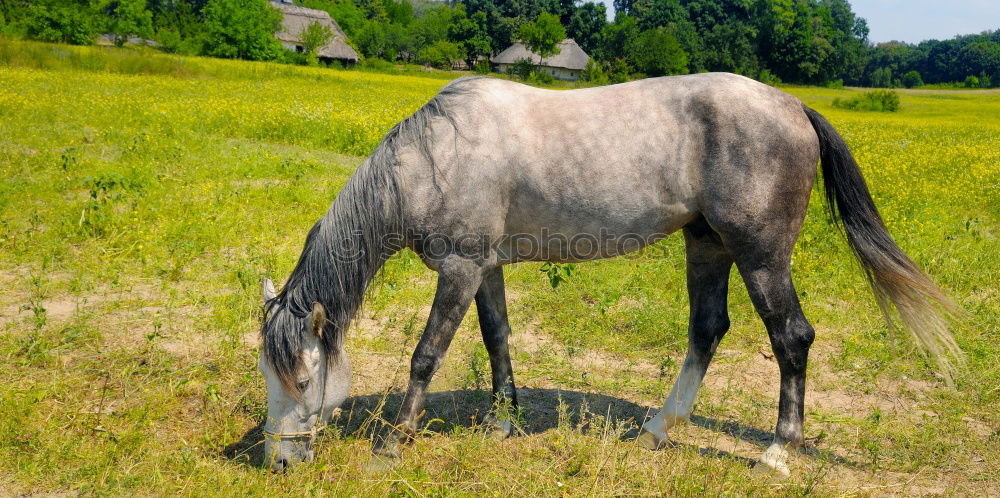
345	249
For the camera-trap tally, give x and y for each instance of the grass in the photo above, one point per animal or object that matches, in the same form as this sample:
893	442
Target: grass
139	210
875	100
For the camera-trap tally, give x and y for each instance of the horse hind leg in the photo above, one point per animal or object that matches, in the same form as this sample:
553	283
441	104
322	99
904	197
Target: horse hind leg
708	268
764	261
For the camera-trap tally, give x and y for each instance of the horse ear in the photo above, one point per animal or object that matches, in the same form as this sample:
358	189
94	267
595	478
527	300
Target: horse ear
318	318
267	289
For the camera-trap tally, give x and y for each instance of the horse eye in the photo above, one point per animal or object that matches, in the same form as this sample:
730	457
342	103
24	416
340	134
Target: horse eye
303	385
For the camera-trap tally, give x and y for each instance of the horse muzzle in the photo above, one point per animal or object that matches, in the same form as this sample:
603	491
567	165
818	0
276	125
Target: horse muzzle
285	454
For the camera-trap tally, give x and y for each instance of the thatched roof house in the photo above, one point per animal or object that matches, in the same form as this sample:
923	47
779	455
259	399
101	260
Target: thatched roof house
297	19
568	64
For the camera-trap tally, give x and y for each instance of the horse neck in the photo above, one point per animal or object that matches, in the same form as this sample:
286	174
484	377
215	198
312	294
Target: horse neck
347	247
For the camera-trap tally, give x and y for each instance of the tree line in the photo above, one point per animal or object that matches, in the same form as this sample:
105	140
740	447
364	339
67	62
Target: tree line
796	41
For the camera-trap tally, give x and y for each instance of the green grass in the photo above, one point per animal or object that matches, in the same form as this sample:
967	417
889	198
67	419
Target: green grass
138	210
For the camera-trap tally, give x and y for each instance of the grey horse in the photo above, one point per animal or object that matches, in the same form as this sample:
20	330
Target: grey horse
491	172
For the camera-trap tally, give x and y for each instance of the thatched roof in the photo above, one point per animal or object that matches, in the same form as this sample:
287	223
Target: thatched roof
570	56
297	19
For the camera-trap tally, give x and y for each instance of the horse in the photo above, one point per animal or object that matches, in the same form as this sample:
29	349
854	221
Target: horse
491	172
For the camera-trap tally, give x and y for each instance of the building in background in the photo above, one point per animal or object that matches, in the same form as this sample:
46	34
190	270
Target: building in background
297	19
568	64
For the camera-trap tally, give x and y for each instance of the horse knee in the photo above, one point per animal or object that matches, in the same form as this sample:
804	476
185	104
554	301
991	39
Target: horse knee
423	366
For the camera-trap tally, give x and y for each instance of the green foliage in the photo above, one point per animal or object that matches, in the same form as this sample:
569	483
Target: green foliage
521	68
170	40
441	54
482	67
881	78
912	79
656	52
128	18
617	37
471	35
242	29
348	15
558	273
381	40
618	71
585	25
875	100
541	77
799	41
972	82
72	24
939	61
594	73
315	36
542	36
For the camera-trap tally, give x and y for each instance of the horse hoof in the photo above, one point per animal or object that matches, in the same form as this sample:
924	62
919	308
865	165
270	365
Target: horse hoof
498	429
650	441
774	458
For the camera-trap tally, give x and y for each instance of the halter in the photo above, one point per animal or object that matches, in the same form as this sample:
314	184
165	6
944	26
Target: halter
316	428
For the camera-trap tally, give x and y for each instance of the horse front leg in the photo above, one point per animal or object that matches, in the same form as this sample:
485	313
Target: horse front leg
458	281
491	303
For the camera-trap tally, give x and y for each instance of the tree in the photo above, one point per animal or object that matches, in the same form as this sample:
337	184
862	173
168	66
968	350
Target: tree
399	12
542	36
881	78
128	18
72	24
616	37
912	80
314	37
979	58
471	36
594	73
371	39
242	29
657	53
441	54
585	25
348	15
658	13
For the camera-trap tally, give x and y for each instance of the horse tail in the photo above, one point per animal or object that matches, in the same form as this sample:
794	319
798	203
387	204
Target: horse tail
895	279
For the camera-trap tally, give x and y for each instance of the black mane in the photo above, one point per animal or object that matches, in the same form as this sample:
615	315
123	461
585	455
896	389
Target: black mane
346	248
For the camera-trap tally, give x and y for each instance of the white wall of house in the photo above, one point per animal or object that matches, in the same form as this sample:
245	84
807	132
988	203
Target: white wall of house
558	73
294	47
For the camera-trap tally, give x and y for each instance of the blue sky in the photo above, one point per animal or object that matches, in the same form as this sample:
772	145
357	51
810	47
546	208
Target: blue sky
917	20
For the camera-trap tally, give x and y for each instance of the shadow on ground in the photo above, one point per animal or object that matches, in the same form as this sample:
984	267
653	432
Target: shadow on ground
447	411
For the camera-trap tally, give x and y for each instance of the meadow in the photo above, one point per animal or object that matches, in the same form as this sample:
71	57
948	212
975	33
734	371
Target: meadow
142	198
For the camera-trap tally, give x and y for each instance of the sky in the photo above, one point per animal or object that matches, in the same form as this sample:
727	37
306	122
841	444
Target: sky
913	21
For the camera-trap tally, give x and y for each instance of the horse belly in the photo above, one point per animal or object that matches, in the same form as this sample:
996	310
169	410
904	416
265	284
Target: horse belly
603	222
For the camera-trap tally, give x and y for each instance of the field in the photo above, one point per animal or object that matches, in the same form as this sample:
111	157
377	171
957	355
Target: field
142	200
